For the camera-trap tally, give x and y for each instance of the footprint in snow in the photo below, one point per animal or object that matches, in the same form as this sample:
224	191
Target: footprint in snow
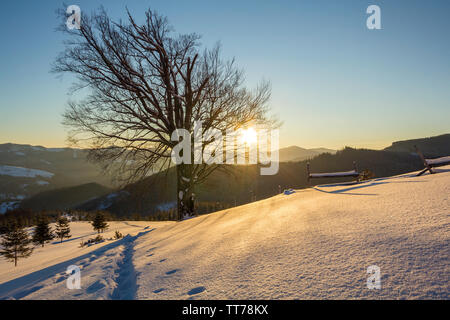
171	271
84	263
96	286
158	290
196	290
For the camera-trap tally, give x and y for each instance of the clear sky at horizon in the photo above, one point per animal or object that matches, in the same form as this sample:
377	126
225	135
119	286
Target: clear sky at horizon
334	82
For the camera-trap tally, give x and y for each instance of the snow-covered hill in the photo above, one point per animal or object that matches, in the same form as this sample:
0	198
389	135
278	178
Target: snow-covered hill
23	172
315	243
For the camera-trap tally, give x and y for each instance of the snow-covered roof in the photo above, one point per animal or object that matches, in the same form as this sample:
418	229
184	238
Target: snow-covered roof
438	161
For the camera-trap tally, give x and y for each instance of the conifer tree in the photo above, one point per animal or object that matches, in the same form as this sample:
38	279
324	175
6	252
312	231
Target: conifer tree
62	229
15	243
42	232
99	223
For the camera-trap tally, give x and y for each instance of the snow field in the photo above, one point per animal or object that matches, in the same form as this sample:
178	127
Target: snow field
316	243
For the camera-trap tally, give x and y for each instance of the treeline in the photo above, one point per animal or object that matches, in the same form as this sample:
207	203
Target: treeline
28	218
202	207
17	242
432	147
17	239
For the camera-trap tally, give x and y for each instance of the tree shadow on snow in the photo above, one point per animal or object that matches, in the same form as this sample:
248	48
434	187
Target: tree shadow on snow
360	185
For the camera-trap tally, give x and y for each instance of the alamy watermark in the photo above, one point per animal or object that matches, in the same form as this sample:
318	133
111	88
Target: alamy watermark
74	19
242	146
74	280
374	20
374	280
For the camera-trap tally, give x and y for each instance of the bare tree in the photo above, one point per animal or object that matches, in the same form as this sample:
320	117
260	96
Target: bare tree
143	83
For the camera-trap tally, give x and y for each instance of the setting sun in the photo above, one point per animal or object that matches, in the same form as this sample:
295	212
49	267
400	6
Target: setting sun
249	136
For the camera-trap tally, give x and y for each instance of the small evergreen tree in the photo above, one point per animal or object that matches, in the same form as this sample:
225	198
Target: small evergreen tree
99	223
42	231
62	229
15	243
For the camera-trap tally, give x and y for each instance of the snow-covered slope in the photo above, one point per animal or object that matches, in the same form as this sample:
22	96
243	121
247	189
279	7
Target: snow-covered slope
23	172
315	243
8	205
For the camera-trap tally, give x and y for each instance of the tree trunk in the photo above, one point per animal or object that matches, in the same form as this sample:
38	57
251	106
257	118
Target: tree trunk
184	189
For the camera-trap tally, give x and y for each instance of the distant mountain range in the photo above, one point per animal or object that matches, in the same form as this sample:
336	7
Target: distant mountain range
27	170
431	147
294	153
60	167
53	179
65	198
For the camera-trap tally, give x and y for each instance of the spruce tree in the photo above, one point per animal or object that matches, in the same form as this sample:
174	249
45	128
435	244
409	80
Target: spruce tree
99	223
15	243
42	232
62	229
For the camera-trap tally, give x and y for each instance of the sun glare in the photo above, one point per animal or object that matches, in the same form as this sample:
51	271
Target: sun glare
249	136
